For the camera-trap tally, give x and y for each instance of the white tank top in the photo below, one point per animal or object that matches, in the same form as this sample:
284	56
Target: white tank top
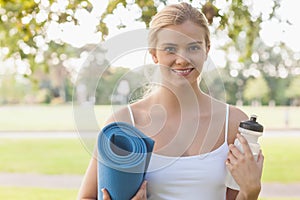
199	177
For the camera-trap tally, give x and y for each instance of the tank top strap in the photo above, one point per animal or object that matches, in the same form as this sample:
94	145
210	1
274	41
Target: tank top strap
131	115
226	123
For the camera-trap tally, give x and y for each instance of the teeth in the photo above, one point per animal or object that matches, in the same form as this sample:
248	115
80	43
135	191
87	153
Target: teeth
182	71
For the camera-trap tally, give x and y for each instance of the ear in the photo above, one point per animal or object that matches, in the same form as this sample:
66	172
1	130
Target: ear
153	55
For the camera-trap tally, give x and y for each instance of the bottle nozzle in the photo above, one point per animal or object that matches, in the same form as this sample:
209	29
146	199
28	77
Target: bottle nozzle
252	124
253	118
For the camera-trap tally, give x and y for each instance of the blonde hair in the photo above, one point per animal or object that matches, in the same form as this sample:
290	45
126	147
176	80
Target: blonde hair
176	14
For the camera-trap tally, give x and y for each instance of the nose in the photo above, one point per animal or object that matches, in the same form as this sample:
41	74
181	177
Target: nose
182	59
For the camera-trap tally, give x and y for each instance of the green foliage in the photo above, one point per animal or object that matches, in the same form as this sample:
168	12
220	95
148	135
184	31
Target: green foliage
148	9
237	20
12	95
293	90
212	83
256	89
210	11
277	90
20	17
108	85
21	27
112	5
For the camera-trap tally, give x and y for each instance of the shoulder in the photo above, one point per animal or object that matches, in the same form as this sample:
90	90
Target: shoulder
120	115
236	115
123	114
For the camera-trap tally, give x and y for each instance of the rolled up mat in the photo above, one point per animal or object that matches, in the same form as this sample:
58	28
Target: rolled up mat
123	156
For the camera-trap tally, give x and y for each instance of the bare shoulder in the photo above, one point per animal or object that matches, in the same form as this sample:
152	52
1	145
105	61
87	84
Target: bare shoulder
123	114
236	115
120	115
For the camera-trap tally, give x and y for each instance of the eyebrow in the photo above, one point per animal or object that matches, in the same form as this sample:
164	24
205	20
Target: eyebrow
197	42
169	44
172	44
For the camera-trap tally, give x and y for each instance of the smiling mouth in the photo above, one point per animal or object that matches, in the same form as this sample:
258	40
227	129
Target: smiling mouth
182	72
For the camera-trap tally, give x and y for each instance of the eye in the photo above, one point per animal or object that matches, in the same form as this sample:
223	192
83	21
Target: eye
194	48
170	49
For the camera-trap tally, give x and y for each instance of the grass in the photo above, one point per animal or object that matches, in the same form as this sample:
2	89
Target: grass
280	198
59	194
282	159
61	117
68	156
36	118
46	117
37	193
51	156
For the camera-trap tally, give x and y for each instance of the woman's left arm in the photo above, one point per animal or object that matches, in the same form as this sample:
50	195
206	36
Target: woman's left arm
245	170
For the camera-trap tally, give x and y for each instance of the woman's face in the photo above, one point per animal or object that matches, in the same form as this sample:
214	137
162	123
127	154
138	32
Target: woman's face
181	51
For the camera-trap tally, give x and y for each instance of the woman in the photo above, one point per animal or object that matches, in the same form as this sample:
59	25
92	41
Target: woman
193	132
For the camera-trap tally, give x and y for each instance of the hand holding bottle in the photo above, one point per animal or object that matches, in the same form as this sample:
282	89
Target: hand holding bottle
245	155
244	169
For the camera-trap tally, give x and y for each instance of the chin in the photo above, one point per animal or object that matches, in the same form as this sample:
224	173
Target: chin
179	83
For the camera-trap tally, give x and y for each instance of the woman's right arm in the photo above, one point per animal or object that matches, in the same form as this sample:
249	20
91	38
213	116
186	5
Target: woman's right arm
88	188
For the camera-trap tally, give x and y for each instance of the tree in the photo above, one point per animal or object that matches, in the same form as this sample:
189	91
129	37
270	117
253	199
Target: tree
237	22
24	37
234	18
7	95
293	90
256	89
24	25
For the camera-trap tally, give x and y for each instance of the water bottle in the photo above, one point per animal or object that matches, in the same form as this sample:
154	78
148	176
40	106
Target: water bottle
251	130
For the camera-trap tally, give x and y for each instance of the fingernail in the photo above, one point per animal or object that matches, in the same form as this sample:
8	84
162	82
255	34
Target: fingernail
238	135
102	190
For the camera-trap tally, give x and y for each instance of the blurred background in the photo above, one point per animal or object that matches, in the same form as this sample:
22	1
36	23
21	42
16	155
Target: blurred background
49	48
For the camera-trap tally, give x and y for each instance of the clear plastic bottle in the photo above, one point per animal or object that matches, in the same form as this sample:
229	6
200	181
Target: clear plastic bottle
251	130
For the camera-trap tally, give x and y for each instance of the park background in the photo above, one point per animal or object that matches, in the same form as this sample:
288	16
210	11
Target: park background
50	49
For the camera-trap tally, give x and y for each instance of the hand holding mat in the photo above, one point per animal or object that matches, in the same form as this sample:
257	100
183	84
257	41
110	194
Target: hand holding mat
123	156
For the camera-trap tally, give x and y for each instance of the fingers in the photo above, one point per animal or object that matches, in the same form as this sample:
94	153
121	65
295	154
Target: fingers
142	193
231	158
245	145
260	159
235	155
234	151
260	156
105	194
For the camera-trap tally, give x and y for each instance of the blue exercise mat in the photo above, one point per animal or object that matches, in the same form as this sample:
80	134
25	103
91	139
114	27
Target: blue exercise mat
123	156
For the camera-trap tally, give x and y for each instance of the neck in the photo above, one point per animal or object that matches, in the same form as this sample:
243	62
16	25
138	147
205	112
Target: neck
176	98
